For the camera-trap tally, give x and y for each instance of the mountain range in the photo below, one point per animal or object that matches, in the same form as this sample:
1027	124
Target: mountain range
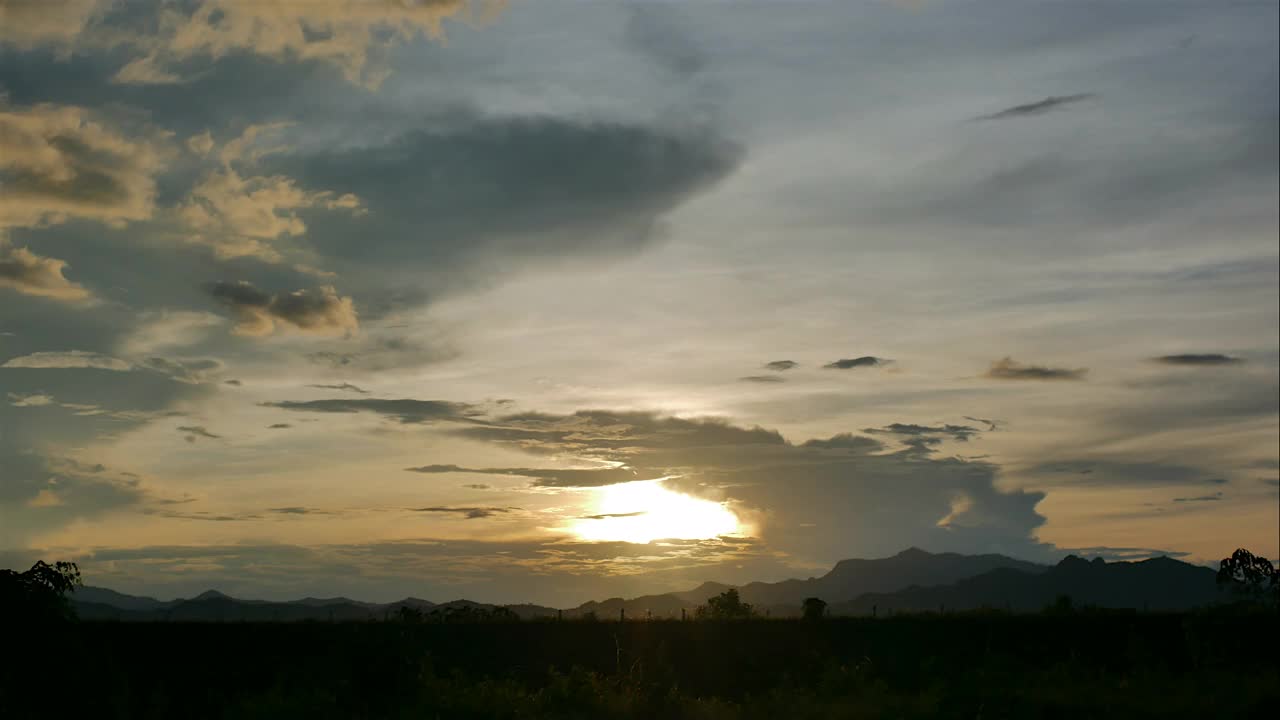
912	580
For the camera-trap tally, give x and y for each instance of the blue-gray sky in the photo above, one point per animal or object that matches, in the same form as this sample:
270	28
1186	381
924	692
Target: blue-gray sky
554	300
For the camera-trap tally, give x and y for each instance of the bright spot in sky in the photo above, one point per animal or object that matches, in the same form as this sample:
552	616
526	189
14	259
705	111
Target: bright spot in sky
640	512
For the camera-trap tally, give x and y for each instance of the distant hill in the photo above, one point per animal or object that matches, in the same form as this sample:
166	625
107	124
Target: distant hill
848	580
912	580
94	603
1155	584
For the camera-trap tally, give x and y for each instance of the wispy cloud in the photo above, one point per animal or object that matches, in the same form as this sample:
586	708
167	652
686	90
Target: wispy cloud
859	362
1009	369
1199	359
347	387
1040	107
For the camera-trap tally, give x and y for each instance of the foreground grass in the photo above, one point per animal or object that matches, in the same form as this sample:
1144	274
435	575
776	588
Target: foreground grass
1139	666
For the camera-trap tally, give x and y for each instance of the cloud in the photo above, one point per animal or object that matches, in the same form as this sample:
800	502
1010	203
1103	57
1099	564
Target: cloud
781	365
350	35
58	163
403	410
296	510
470	513
658	35
1199	360
239	216
32	400
923	438
197	431
1118	473
69	359
606	516
1123	554
279	426
551	477
348	387
858	362
31	274
26	24
475	192
1040	107
992	425
185	370
320	311
165	329
817	499
1215	497
1009	369
762	379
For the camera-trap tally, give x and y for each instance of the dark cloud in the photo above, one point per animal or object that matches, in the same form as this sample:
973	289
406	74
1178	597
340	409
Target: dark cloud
606	516
1106	472
342	386
1123	554
762	379
1037	108
858	362
991	424
847	442
320	311
476	486
933	434
550	477
655	32
470	513
197	431
1195	359
201	515
467	192
233	382
279	426
1009	369
403	410
1215	497
815	498
781	365
297	510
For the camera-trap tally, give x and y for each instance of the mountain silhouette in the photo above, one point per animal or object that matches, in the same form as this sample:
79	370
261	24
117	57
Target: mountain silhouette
912	580
1156	584
848	580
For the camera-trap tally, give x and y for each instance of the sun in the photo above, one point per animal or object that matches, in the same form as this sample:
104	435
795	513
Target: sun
644	511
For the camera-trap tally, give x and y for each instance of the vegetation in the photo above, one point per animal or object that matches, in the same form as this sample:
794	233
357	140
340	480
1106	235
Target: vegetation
813	609
1251	578
725	606
463	662
39	594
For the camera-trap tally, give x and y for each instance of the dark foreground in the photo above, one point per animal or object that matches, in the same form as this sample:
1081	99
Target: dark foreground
1076	666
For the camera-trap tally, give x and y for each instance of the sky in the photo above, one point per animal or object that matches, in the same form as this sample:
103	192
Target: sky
559	300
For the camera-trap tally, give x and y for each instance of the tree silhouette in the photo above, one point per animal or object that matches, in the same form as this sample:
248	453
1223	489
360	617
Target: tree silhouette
39	593
814	608
725	606
1251	576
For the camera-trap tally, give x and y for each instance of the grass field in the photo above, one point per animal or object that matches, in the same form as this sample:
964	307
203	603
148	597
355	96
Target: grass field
957	666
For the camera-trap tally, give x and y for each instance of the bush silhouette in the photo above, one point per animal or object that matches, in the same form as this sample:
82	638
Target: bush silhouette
814	608
725	606
1250	576
39	593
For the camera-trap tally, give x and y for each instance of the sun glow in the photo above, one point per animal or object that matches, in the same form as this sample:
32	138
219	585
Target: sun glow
640	512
